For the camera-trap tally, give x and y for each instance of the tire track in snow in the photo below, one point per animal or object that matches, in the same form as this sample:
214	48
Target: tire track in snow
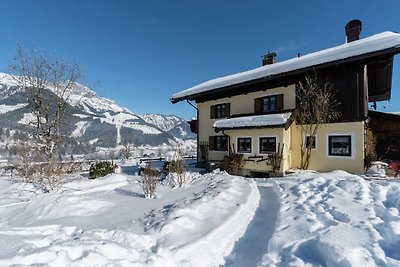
248	250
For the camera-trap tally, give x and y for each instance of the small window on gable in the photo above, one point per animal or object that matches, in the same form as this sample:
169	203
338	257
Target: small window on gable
311	140
220	111
267	145
339	145
244	144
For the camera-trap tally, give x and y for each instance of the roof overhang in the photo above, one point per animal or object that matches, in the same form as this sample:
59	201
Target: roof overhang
240	87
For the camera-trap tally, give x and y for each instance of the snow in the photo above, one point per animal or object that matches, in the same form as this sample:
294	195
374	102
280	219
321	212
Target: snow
164	122
335	219
80	129
27	119
7	79
108	222
91	142
172	155
305	219
6	108
82	116
253	121
367	45
125	120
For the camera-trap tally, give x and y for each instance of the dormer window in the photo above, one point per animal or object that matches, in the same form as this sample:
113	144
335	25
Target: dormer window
220	111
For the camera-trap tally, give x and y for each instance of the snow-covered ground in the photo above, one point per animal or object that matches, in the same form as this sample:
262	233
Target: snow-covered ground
307	219
335	219
108	222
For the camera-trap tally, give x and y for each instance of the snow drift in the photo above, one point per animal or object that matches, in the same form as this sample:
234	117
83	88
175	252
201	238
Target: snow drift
108	222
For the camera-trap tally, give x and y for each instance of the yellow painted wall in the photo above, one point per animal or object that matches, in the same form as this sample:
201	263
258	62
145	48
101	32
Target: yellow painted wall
281	135
240	104
320	160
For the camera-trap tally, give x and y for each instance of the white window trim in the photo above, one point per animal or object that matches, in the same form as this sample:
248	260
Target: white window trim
277	140
252	145
353	148
316	142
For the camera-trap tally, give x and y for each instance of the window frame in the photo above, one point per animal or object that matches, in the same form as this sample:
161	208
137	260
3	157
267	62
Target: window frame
315	142
269	97
219	138
238	142
221	110
349	138
267	137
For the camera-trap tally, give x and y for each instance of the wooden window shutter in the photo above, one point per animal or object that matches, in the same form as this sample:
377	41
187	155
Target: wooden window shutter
279	102
227	143
258	105
212	112
228	109
211	143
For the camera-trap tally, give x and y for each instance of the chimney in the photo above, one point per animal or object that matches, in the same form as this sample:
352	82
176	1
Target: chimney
353	29
269	58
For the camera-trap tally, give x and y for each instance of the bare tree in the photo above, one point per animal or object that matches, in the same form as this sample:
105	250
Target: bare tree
149	180
47	83
316	106
25	151
127	148
177	167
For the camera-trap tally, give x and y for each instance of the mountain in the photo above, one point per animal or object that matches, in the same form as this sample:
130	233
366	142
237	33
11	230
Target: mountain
94	121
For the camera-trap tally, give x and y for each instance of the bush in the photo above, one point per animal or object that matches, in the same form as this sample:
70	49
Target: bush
236	162
100	169
149	180
370	148
179	167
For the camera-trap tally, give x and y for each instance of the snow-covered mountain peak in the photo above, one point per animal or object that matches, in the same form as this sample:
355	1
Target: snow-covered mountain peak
83	95
80	95
164	122
94	120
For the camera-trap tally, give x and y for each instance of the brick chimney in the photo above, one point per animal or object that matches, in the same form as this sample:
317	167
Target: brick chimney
269	58
353	29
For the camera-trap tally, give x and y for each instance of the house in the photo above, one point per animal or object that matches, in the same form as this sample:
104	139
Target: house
252	111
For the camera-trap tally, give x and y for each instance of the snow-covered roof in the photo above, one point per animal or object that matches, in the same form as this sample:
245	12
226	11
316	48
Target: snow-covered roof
375	43
253	121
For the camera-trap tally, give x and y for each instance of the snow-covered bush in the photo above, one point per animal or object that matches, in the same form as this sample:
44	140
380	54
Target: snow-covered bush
100	169
149	180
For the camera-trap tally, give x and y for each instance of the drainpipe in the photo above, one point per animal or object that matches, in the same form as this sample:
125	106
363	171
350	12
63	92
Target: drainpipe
229	141
190	103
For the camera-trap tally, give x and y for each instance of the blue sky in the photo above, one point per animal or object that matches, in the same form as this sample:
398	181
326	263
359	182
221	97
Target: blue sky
142	52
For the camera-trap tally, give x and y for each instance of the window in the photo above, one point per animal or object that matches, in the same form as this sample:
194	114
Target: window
267	145
244	145
219	111
340	145
221	143
218	143
311	140
268	104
